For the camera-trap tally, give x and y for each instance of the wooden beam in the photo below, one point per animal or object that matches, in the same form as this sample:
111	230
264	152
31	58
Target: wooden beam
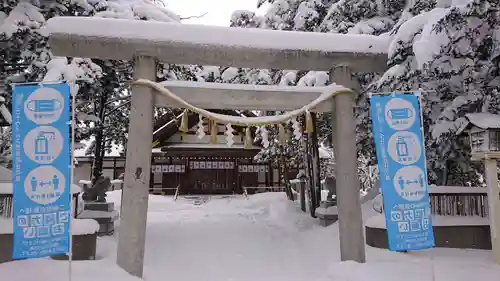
213	45
242	97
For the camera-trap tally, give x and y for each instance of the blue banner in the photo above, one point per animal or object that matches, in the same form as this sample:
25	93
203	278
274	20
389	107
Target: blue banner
397	130
41	170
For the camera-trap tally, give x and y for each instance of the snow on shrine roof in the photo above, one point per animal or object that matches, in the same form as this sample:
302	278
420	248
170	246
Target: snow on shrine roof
214	45
484	120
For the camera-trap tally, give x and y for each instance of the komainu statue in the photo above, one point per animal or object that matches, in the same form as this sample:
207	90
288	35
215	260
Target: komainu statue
97	193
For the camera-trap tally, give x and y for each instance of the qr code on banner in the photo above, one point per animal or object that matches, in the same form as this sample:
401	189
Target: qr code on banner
410	220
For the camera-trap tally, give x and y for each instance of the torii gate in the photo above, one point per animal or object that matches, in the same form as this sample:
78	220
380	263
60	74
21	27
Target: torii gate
146	42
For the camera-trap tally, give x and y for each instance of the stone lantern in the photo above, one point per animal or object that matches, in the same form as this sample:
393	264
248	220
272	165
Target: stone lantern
484	135
484	139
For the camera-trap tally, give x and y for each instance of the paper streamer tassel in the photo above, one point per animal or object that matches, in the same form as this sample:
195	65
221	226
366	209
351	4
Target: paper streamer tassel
184	122
248	138
309	123
281	134
229	134
213	132
265	136
201	128
297	129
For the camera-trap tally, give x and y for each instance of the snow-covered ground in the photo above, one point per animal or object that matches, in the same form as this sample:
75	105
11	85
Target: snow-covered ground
263	238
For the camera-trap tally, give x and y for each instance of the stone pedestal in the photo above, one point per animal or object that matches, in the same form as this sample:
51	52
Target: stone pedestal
103	213
327	213
84	248
6	247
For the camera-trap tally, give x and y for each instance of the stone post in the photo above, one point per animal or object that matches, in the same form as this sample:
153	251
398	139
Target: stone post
490	167
132	236
352	244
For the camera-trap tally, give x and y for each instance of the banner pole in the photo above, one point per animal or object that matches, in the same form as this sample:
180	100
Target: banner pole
73	91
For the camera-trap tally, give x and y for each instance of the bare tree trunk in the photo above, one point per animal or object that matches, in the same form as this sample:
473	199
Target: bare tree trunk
99	137
284	173
308	160
315	161
445	173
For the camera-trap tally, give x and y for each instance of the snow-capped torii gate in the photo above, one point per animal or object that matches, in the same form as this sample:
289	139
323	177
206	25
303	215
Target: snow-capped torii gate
146	42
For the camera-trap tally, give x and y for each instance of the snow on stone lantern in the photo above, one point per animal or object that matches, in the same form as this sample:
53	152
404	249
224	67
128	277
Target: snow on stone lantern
484	135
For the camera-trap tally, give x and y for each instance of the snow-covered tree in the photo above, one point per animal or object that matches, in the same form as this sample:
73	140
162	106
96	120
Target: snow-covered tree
344	16
466	58
242	18
449	50
102	99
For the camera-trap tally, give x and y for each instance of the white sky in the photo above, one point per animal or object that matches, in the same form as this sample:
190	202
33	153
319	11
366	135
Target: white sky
219	11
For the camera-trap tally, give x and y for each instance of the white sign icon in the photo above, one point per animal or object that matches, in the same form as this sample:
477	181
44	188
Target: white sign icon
63	217
44	185
29	232
43	231
36	219
50	218
58	229
409	183
415	226
22	221
403	226
404	147
425	224
44	105
399	114
43	144
408	215
396	216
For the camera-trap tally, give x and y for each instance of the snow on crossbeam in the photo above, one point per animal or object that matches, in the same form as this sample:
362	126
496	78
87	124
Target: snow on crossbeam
212	45
245	96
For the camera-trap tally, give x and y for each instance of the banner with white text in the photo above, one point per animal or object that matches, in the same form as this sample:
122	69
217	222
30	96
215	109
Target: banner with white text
397	130
41	170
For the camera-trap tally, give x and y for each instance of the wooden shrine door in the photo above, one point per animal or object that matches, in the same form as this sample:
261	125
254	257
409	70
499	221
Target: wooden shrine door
211	176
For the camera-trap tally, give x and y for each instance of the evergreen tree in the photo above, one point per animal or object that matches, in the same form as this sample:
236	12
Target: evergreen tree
344	16
448	49
102	99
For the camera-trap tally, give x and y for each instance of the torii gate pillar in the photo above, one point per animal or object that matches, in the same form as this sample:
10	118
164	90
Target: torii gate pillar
352	243
132	235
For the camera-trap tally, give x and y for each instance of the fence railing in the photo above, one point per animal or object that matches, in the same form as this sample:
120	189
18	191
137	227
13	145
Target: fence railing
459	201
453	201
5	207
